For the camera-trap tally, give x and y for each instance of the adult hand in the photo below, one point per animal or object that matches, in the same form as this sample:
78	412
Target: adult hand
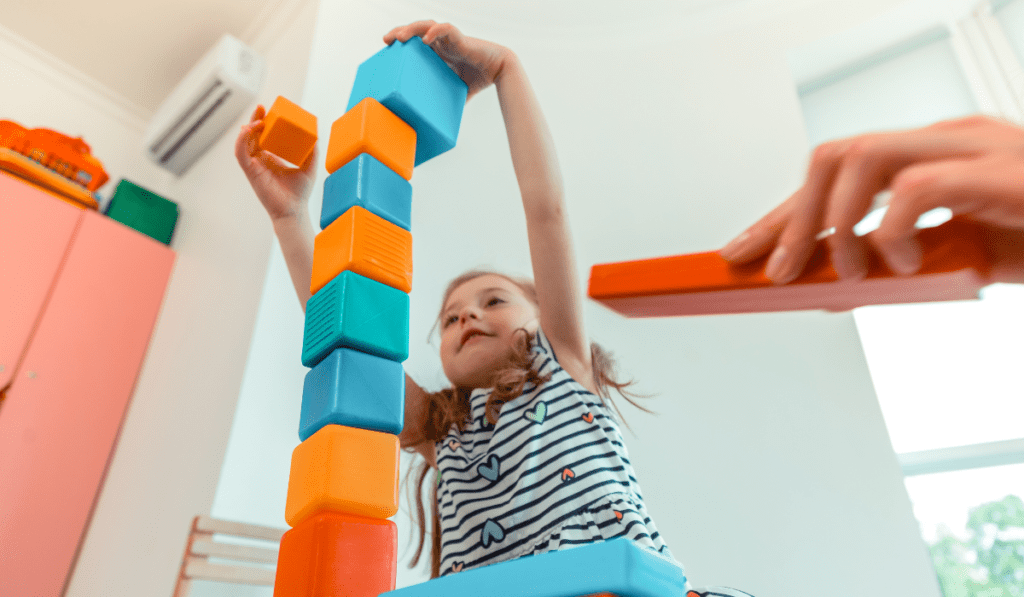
283	190
477	62
974	166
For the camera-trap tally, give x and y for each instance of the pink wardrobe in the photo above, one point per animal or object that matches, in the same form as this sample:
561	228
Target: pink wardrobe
79	296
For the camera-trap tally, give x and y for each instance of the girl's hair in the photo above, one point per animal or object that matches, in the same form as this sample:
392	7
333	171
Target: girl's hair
451	406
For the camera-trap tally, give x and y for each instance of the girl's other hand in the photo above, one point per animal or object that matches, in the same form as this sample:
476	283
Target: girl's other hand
973	166
283	190
477	62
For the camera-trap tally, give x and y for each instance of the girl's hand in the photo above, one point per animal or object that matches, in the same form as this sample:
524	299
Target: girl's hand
477	62
973	166
283	190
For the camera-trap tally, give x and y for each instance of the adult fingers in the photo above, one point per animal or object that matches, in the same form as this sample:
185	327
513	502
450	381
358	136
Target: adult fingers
915	190
798	239
868	165
758	239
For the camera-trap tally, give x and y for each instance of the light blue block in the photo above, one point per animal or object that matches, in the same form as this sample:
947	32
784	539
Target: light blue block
356	312
619	566
368	183
354	389
414	83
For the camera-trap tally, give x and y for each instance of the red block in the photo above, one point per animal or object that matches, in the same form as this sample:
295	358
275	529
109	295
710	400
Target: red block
334	554
954	267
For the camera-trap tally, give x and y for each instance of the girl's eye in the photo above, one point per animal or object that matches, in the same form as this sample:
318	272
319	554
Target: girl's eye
449	320
494	301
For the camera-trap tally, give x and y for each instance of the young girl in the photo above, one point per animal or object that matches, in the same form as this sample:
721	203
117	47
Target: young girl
528	452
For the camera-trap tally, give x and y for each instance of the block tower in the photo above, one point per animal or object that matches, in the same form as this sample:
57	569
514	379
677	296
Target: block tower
405	108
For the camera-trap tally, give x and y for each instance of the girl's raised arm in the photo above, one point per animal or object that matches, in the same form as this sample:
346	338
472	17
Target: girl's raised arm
551	252
480	63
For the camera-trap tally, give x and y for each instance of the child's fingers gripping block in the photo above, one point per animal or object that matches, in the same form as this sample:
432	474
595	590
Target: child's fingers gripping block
414	83
333	554
288	132
356	312
343	469
371	128
366	244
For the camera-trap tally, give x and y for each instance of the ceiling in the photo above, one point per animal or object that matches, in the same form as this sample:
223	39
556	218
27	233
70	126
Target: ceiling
140	49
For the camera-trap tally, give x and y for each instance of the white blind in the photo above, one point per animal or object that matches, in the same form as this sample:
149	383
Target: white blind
911	85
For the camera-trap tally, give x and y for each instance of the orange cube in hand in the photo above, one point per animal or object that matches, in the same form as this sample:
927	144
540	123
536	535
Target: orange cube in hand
289	132
371	128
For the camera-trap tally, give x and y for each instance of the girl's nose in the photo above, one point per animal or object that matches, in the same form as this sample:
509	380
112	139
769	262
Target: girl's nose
467	313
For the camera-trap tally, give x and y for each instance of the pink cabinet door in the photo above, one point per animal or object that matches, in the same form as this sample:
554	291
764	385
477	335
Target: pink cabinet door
35	233
64	409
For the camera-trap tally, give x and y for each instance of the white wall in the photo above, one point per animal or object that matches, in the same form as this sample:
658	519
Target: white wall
171	447
768	466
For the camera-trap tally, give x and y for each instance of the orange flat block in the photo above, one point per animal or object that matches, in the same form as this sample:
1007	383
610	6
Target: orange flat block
954	267
334	554
371	128
288	132
366	244
344	469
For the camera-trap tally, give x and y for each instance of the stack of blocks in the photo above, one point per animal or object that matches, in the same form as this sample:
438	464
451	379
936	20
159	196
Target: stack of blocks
405	108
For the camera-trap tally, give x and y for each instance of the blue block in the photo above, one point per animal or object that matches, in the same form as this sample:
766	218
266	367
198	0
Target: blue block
619	566
414	83
354	389
371	185
356	312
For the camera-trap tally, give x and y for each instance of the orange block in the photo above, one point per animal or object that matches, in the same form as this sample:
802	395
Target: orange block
954	267
366	244
334	554
343	469
371	128
288	132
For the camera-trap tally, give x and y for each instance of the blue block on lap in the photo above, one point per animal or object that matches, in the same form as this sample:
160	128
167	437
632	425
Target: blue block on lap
356	312
368	183
355	389
414	83
619	566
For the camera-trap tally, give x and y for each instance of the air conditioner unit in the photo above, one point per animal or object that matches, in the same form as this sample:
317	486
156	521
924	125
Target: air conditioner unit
212	95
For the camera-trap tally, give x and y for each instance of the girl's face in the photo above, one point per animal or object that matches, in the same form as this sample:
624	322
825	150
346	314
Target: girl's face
478	328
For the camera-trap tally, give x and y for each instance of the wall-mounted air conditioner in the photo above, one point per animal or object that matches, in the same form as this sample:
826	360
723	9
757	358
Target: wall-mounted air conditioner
211	96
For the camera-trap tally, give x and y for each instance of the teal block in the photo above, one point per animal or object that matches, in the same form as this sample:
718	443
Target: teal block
368	183
356	312
354	389
619	566
416	84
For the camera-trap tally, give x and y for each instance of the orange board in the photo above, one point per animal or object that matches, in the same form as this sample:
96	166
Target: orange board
366	244
288	131
954	267
344	469
334	554
371	128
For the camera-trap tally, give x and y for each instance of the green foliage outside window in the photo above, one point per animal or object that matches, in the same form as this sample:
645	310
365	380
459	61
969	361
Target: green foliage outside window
990	562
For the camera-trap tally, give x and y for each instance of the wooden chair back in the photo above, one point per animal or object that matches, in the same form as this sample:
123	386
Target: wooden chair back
209	557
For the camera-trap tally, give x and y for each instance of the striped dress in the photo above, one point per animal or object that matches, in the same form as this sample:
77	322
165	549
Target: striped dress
553	473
